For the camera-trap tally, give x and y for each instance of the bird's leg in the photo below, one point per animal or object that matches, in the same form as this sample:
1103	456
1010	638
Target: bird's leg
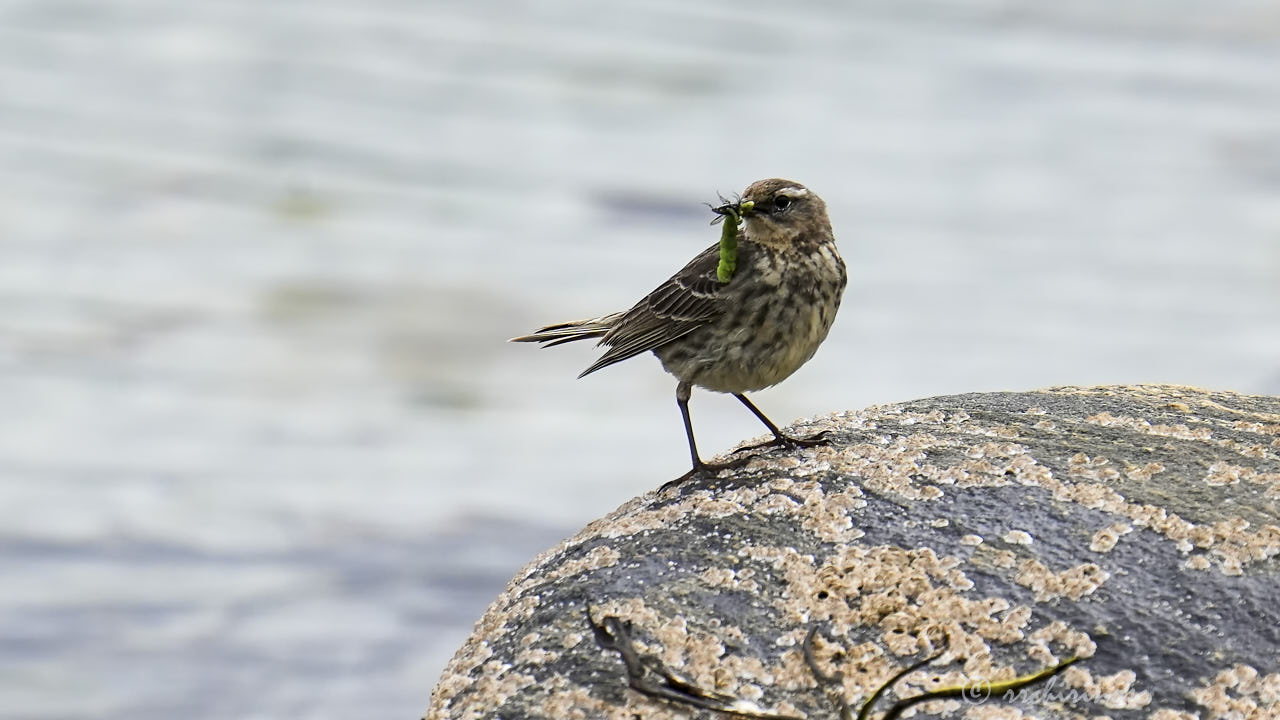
779	437
683	391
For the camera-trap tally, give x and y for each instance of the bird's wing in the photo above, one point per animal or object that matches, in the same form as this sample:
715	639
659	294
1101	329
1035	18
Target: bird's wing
688	300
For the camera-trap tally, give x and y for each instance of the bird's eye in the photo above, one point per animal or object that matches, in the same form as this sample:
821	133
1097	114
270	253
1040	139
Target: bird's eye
782	202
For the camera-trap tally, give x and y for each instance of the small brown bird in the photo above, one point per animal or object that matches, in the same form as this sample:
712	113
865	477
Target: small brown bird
746	334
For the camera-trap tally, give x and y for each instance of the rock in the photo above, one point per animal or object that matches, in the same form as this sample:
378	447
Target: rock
1134	527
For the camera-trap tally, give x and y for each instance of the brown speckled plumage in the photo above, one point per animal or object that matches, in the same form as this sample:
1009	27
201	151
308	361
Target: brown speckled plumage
743	335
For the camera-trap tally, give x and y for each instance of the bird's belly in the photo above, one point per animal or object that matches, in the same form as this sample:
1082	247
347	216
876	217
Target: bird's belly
756	348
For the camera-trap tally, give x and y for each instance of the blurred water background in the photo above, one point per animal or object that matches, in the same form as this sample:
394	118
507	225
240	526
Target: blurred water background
264	452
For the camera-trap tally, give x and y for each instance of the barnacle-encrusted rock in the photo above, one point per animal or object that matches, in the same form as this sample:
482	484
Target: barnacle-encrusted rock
1135	527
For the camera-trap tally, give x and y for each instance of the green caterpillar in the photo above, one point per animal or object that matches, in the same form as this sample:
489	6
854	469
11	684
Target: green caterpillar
729	239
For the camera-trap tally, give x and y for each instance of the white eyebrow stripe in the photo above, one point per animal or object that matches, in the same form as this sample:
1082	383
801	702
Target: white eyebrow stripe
793	192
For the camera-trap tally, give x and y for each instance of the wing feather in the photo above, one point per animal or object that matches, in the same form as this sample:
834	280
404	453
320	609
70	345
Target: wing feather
688	300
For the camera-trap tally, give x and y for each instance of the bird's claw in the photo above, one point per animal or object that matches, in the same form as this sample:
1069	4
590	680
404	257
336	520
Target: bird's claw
791	442
706	469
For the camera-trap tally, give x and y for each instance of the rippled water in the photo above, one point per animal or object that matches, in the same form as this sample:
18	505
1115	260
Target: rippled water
263	450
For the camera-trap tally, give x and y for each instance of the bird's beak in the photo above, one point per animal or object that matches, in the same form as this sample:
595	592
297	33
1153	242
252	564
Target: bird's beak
742	208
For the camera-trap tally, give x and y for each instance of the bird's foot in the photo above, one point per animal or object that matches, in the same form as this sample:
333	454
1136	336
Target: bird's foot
781	440
704	469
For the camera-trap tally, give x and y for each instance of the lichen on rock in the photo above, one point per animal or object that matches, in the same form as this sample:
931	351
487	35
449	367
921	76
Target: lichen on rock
1135	527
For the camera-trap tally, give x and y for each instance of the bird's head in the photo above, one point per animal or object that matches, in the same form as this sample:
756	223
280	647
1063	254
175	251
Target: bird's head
777	211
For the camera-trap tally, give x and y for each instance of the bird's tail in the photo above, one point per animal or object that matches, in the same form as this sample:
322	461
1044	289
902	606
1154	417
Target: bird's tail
559	333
